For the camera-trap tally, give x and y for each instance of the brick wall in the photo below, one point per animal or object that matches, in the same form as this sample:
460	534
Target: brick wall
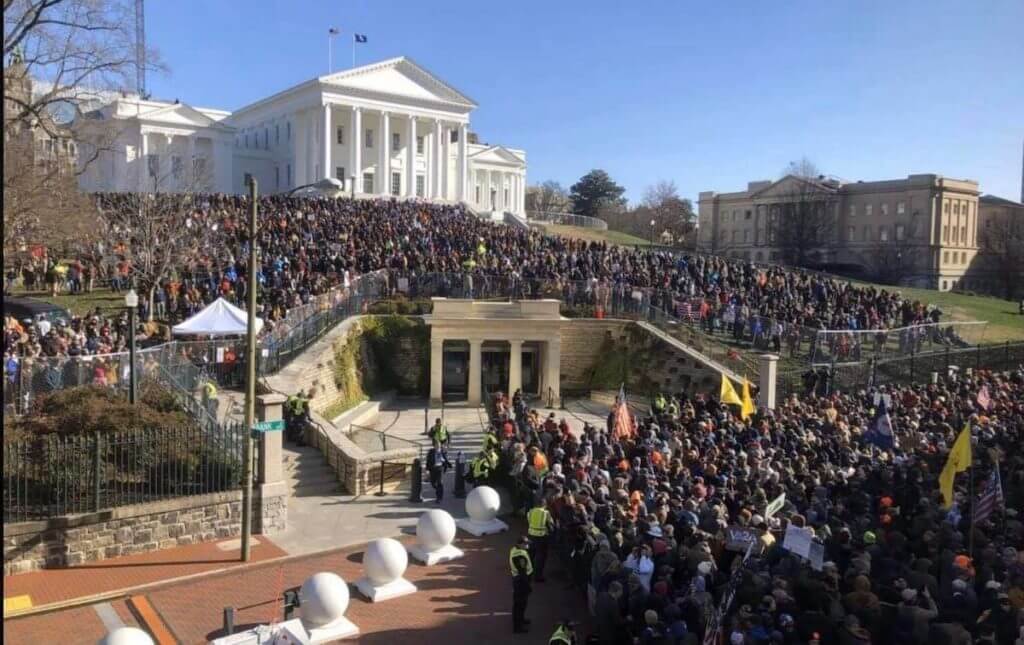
127	530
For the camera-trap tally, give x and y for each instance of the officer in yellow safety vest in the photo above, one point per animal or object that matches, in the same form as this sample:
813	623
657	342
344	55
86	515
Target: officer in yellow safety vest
480	469
565	634
540	524
522	571
439	432
210	397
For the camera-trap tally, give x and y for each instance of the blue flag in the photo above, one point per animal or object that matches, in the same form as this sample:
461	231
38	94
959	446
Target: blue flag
360	38
880	431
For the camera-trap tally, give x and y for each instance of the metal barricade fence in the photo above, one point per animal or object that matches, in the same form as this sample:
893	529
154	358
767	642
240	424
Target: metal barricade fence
567	219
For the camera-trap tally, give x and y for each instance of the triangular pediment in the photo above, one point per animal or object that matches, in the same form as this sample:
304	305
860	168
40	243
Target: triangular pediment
497	155
180	114
791	185
398	77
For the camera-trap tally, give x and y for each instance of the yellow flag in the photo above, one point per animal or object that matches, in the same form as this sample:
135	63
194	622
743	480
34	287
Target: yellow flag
728	393
959	460
747	407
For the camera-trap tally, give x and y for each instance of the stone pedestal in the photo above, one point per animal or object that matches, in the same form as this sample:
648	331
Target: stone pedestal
446	553
340	629
271	514
393	589
479	528
768	372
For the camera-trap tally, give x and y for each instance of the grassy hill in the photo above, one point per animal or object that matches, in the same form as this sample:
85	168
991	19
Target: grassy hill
590	234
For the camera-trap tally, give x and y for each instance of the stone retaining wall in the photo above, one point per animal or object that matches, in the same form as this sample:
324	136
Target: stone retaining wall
78	539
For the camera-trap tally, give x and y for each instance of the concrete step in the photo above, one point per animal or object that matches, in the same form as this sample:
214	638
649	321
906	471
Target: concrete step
326	488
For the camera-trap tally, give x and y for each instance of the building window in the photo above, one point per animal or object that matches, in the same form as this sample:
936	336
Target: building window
735	216
420	185
853	210
963	235
901	207
453	135
246	139
506	197
339	174
868	209
277	134
945	233
396	142
369	138
945	209
266	138
749	214
945	285
867	233
367	182
341	134
277	177
851	233
901	231
419	145
945	257
176	166
288	130
883	234
477	194
963	257
288	176
735	236
956	208
154	165
885	209
396	183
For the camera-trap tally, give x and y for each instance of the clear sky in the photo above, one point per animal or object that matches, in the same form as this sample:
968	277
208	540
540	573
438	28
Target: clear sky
706	94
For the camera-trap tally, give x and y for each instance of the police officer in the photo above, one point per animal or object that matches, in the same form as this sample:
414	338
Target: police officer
539	521
480	469
522	571
210	397
565	634
439	432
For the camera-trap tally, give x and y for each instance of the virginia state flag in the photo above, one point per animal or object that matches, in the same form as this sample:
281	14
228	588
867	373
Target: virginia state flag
959	460
880	431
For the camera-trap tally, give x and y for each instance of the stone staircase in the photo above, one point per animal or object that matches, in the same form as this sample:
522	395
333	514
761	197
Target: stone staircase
306	472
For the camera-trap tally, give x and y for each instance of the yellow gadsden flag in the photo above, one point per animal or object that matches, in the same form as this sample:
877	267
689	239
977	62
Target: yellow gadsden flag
959	460
747	407
728	393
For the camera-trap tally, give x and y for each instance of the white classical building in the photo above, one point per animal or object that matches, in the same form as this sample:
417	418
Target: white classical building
385	129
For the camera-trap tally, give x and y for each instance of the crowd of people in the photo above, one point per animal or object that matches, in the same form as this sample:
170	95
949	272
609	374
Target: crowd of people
677	524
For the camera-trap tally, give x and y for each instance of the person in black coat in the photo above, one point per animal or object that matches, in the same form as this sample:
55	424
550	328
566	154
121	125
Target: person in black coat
521	589
437	464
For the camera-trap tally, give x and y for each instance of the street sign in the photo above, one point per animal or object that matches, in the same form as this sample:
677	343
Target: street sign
269	426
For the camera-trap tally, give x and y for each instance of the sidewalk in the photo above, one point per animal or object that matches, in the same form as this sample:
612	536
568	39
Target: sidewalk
468	600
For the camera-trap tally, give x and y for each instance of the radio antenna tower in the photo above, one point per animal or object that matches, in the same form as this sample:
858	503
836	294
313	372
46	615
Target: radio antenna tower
140	48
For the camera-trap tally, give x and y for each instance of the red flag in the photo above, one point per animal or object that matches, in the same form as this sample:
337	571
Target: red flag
623	426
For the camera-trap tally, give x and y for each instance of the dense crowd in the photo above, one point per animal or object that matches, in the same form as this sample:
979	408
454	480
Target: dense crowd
654	527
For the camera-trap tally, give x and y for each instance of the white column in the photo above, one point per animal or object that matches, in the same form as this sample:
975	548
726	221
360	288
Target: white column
446	156
475	371
298	152
325	142
436	367
410	156
384	163
356	144
190	163
463	165
144	183
435	166
515	367
767	372
553	372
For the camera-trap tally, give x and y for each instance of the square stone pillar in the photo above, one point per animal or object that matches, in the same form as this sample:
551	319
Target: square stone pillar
475	371
271	505
553	373
436	369
515	366
768	369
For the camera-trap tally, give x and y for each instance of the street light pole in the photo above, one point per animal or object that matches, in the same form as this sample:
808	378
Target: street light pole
131	301
250	380
652	232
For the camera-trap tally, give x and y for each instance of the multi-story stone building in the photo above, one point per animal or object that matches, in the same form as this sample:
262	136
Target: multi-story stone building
998	267
919	231
32	143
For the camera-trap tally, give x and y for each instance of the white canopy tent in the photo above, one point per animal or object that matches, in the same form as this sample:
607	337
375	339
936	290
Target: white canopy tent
219	318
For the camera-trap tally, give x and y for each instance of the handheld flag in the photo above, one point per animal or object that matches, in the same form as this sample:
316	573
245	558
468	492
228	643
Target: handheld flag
990	498
623	423
959	460
747	406
880	432
727	393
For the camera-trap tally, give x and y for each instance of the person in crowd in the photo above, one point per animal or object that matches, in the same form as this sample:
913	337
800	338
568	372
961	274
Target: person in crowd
437	466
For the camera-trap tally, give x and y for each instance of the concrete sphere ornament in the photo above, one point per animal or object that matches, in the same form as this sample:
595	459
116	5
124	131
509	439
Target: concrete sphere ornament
324	598
126	636
435	529
482	504
384	561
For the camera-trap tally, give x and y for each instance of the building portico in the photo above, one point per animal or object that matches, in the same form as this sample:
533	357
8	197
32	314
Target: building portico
478	346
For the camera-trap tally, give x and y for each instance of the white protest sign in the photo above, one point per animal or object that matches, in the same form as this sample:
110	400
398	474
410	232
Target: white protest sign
798	541
774	506
817	556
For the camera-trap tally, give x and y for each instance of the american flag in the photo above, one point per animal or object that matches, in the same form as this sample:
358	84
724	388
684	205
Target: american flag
688	310
623	426
984	400
990	498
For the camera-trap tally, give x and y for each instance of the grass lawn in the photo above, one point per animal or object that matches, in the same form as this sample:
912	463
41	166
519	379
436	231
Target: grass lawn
590	234
78	304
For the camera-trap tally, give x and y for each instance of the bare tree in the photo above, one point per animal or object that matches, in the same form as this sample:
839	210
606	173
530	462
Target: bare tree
62	58
548	197
893	260
804	224
802	167
669	211
1001	244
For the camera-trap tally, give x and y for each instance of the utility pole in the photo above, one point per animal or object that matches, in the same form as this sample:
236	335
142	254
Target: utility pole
250	379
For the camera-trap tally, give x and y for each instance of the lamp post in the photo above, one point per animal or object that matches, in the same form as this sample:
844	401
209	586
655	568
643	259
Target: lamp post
652	231
250	378
131	301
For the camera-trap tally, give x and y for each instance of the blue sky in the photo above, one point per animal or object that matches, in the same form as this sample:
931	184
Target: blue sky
706	94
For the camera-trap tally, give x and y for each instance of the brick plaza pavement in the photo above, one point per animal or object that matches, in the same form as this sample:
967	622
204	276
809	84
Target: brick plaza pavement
465	601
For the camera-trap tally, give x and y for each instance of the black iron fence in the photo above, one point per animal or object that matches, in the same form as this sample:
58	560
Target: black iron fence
55	475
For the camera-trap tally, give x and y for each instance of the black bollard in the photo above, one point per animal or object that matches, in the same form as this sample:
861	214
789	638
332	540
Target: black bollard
460	476
291	602
416	496
229	621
